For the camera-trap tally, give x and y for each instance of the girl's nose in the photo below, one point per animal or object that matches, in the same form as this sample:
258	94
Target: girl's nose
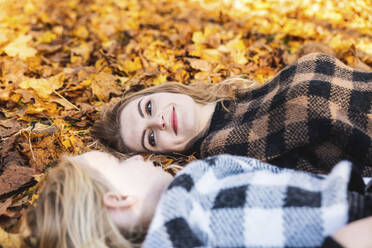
158	122
137	157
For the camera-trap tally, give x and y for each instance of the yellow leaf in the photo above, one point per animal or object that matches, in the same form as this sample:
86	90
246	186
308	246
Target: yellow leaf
47	38
160	79
44	87
211	55
9	240
237	50
30	8
132	65
3	37
81	32
20	48
198	37
103	85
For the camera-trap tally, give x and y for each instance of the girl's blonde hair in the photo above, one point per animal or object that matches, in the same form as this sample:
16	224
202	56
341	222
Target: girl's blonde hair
107	129
70	211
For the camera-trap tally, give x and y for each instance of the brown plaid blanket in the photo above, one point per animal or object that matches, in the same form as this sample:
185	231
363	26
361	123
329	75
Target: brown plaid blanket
310	116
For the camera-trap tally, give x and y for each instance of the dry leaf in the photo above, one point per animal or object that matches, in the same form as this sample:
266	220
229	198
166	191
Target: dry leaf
20	48
44	87
4	205
14	177
199	64
9	127
10	240
103	85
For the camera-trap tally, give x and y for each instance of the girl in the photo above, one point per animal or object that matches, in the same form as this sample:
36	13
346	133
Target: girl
313	114
95	200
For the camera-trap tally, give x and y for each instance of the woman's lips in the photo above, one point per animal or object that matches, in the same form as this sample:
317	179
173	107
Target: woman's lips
174	121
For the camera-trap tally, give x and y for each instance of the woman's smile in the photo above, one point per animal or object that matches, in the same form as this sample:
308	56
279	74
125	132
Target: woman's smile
174	121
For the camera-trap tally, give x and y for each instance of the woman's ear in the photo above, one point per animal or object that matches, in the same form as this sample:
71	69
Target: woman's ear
117	200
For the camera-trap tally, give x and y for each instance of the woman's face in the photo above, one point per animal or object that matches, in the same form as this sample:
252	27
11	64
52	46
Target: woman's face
133	177
160	122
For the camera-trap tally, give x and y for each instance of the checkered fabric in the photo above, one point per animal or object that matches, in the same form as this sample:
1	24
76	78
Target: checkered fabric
232	201
311	115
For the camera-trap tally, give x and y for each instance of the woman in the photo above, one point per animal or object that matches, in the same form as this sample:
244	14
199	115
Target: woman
311	115
95	200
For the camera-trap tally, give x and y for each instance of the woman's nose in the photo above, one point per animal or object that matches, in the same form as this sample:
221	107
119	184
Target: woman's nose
137	157
158	122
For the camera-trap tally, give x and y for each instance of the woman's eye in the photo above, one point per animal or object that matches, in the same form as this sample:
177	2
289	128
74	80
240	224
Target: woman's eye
152	139
149	107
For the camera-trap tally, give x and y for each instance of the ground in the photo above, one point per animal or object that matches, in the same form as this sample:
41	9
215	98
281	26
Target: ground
62	61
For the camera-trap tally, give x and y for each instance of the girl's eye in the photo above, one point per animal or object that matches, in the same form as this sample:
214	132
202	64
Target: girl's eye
149	107
152	139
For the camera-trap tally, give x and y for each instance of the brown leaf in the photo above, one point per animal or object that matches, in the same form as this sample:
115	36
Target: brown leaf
63	102
9	127
27	95
199	64
103	85
14	177
4	205
41	146
9	153
48	48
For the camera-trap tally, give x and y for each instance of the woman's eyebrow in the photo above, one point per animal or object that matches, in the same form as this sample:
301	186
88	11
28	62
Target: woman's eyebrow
139	108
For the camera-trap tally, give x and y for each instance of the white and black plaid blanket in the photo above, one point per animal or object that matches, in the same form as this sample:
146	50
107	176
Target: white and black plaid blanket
231	201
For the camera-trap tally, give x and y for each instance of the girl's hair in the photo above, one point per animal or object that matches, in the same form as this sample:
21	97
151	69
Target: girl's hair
107	129
70	211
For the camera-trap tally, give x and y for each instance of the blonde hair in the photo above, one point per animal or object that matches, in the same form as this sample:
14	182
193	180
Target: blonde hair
70	211
107	130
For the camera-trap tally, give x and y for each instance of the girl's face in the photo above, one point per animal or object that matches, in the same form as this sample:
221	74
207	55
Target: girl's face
160	122
133	179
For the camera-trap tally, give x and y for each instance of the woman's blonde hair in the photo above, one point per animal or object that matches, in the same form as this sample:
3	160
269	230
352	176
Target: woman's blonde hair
70	211
107	129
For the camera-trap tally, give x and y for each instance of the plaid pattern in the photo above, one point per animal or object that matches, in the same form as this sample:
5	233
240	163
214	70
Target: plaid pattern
231	201
310	116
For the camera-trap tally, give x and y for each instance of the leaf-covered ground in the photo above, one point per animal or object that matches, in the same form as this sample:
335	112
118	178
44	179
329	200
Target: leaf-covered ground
62	61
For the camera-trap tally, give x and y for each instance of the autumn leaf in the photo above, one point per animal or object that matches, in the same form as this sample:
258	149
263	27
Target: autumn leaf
199	64
103	85
43	87
19	47
9	240
13	177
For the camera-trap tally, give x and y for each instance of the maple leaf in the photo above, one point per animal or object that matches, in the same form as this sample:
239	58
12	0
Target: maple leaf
199	64
20	48
103	85
10	240
15	176
43	87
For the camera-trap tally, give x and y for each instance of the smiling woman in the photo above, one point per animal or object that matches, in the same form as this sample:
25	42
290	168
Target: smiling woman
310	116
179	111
165	122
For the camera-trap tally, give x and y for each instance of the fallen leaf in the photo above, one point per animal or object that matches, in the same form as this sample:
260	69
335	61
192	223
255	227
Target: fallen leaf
44	87
9	127
103	85
4	205
20	48
14	177
199	64
10	240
